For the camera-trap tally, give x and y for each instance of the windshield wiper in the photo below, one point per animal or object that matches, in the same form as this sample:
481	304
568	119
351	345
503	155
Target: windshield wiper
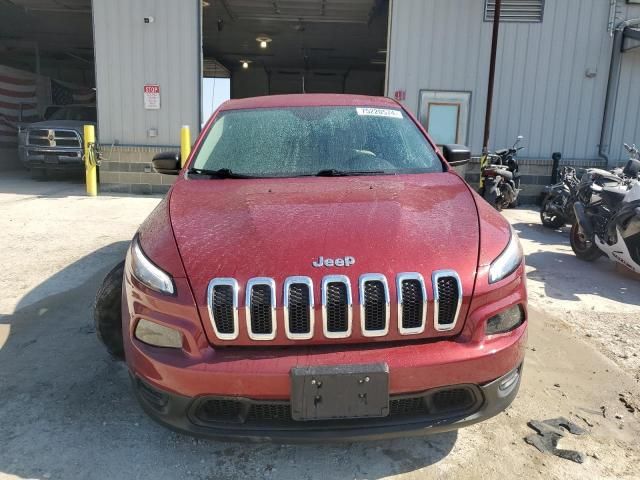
332	172
220	173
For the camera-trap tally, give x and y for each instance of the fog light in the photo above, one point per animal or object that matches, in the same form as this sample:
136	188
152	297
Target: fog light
505	321
158	335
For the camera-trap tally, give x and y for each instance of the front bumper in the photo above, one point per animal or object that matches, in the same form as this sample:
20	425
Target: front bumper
54	158
180	413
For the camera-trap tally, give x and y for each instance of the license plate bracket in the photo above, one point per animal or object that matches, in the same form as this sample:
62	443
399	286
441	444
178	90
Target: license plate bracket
339	392
51	158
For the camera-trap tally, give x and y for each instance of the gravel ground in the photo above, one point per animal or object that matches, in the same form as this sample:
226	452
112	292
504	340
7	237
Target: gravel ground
66	410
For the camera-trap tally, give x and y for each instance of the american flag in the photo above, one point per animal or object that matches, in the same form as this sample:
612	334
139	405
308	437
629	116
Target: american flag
63	93
18	92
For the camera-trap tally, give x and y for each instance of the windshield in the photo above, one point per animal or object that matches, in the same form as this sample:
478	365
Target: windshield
281	142
74	113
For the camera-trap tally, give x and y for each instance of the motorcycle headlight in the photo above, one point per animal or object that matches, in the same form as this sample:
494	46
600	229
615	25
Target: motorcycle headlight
508	261
148	273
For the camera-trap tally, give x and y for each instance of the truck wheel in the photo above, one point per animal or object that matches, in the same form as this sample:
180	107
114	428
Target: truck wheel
107	312
584	248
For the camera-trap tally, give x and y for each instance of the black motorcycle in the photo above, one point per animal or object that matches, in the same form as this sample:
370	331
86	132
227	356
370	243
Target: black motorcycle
499	178
557	206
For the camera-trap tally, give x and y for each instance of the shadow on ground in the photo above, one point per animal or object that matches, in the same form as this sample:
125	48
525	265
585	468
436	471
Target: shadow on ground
56	184
566	277
67	411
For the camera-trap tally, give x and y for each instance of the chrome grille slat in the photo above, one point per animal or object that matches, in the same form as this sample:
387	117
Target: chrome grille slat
298	308
217	296
260	304
412	303
447	299
336	306
374	305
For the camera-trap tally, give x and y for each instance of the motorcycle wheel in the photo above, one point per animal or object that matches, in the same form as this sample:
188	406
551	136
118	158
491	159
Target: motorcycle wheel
584	248
548	219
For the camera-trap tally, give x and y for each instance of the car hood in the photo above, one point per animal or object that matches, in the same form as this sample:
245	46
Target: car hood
277	227
51	124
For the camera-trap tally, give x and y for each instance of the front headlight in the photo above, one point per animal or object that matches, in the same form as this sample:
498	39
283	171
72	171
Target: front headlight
148	273
507	261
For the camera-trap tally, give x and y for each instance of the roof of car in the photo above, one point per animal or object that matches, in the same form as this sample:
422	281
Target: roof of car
309	100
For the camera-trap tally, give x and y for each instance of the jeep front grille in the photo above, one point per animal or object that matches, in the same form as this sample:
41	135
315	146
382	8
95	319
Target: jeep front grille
336	304
374	305
447	299
298	307
261	308
412	303
222	299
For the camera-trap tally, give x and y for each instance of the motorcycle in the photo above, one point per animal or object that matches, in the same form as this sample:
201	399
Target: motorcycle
557	206
608	218
499	178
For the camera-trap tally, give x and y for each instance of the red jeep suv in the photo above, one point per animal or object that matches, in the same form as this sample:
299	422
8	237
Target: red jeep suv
319	272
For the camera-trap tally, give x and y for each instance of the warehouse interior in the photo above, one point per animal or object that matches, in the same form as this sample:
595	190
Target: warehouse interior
296	46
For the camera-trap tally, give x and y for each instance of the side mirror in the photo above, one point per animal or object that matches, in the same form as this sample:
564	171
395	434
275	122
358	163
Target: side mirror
456	155
167	163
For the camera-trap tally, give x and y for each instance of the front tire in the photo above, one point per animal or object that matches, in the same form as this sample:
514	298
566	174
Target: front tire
549	219
585	249
107	312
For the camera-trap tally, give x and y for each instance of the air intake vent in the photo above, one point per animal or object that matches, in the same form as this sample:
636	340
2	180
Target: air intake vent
298	308
412	302
261	304
374	305
222	301
530	11
447	299
336	302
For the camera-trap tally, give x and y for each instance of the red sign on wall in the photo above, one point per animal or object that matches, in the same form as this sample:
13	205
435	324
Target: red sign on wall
152	97
400	95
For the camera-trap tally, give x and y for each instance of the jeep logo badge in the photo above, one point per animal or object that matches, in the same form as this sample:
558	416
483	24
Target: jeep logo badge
334	262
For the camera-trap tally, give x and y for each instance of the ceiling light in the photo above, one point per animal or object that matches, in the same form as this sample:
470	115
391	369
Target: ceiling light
245	64
263	41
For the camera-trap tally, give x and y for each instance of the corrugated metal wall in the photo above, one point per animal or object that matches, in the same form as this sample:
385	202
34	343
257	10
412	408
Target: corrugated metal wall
542	90
626	127
130	54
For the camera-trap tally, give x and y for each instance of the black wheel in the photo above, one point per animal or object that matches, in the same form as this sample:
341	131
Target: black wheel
548	218
514	204
584	248
107	313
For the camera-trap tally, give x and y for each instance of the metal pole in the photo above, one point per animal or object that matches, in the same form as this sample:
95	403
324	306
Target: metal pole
90	160
185	144
492	75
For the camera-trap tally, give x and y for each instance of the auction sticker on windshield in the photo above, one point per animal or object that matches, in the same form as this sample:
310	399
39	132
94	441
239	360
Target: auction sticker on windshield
379	112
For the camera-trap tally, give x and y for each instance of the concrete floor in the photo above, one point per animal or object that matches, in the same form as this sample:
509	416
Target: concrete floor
66	410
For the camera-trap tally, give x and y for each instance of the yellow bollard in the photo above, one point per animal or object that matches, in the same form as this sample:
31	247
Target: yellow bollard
185	144
90	160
